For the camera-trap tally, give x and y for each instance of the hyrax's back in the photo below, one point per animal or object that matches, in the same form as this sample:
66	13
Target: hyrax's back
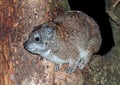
79	29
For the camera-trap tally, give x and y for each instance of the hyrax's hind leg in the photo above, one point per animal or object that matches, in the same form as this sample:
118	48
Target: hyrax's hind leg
85	54
72	66
85	57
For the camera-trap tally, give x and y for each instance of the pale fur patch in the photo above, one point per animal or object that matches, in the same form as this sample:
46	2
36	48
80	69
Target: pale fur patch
53	58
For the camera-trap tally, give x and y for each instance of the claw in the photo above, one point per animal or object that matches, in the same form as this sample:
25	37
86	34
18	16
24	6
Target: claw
69	70
81	64
57	67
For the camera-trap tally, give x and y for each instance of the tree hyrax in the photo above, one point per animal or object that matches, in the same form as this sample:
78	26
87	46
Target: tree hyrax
70	38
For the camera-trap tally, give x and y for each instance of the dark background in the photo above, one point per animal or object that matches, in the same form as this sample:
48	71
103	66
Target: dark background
96	9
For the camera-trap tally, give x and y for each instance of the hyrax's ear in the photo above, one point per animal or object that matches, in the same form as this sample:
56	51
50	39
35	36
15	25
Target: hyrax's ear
49	31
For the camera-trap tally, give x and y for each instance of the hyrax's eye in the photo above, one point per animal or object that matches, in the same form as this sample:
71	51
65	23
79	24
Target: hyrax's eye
47	26
37	39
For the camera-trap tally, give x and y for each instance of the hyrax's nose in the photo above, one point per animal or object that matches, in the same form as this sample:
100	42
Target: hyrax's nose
25	45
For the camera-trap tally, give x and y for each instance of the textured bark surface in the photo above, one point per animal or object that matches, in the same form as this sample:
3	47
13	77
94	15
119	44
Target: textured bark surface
17	66
113	10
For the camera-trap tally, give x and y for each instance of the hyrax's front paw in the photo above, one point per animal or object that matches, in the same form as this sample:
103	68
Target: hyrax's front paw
69	70
57	67
83	62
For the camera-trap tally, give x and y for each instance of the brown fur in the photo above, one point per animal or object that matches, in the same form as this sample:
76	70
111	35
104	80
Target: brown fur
76	37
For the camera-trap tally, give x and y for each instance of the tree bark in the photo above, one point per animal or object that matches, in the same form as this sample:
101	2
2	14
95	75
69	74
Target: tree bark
17	66
113	10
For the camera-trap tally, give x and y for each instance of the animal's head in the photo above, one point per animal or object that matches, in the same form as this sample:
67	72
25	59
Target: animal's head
39	39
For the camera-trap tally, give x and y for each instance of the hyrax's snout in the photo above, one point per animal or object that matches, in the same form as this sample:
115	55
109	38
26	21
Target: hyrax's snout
25	45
